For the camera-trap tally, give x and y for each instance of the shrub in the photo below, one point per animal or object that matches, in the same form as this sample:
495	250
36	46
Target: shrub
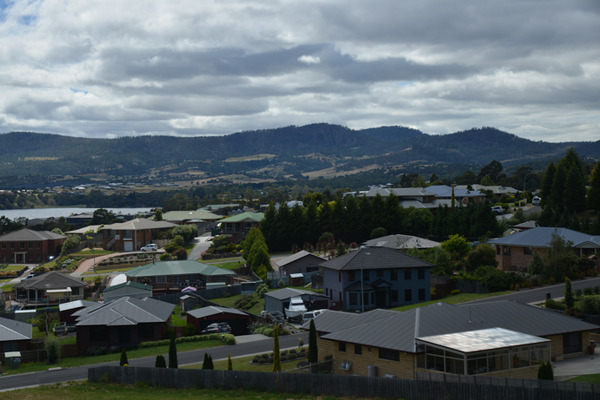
160	361
261	290
124	360
455	291
180	253
554	305
189	330
53	346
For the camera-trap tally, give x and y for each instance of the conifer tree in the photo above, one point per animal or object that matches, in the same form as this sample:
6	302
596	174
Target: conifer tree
172	353
594	191
276	352
124	360
229	363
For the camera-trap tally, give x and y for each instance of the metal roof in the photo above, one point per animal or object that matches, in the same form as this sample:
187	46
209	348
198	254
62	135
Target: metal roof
11	330
190	215
297	256
139	224
75	304
50	280
374	258
482	340
30	235
257	217
398	330
399	241
212	310
287	293
541	237
136	285
125	311
177	267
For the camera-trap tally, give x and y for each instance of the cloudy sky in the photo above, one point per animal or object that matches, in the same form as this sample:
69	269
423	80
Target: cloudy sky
113	68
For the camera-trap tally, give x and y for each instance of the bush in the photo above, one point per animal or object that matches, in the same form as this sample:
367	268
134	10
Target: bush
160	361
554	305
53	347
190	330
261	290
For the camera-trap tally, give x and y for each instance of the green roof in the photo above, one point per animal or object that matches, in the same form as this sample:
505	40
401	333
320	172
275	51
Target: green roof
129	283
180	267
245	216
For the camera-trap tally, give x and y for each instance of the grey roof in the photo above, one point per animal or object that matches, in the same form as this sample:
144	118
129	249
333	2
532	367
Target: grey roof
297	256
212	310
30	235
126	311
541	237
11	330
374	258
83	230
139	224
398	330
49	281
399	241
482	339
287	293
526	225
75	304
190	215
340	320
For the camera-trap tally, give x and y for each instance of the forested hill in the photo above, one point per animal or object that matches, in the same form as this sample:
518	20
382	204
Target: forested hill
270	153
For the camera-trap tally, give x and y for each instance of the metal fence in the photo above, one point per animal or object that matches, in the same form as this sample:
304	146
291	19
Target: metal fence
432	387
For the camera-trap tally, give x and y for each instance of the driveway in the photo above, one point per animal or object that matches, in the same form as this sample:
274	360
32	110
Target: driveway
577	366
202	243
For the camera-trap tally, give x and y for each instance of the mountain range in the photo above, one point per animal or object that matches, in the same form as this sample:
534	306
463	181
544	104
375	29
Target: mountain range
290	152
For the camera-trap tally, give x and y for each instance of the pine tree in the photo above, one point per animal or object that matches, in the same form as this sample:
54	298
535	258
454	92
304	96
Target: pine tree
229	363
313	351
569	300
124	360
594	191
205	364
276	352
547	184
172	353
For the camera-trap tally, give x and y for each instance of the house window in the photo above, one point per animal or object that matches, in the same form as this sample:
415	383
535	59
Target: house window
326	291
38	245
145	332
407	274
386	354
408	295
421	273
394	275
365	298
527	251
506	250
357	349
379	273
353	299
394	296
342	346
497	250
38	256
161	279
3	245
351	276
31	245
421	294
12	245
365	275
22	245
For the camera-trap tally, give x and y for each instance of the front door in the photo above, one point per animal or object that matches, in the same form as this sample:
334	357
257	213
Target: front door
381	298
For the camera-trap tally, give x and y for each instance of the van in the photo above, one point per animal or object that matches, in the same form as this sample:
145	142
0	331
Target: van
498	210
536	201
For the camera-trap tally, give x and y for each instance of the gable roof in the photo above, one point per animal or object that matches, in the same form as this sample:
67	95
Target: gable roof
374	258
297	256
398	330
257	217
213	310
136	285
139	224
30	235
190	215
11	330
399	241
49	281
287	293
541	237
177	267
126	311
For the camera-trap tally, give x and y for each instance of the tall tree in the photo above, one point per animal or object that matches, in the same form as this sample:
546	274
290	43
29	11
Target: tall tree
569	299
594	191
313	351
276	352
172	353
547	184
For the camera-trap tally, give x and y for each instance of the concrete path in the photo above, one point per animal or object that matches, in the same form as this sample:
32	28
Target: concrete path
577	366
89	263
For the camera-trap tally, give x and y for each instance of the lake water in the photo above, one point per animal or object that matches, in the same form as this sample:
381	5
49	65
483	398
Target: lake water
46	213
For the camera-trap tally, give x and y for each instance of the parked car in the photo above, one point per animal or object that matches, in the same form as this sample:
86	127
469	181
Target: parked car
498	210
536	200
150	247
216	327
307	316
273	316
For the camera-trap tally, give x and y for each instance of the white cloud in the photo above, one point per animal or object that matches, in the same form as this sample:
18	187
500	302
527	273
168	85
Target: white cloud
105	68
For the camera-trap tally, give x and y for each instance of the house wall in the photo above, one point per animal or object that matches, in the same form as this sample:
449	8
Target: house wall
35	251
239	323
517	260
303	265
152	332
138	239
404	368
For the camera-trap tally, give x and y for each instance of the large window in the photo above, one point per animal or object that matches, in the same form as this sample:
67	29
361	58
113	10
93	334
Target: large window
387	354
421	294
357	349
351	276
572	343
407	274
342	346
421	273
408	295
353	298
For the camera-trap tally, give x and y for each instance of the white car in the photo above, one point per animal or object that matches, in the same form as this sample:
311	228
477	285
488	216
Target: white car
149	247
498	210
536	201
307	316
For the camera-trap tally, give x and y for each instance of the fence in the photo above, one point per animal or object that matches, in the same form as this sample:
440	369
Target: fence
430	387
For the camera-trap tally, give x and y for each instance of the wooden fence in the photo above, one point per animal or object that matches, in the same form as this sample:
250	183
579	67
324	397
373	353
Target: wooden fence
430	387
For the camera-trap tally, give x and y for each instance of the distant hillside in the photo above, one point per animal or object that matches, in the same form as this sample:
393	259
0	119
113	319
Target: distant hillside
316	150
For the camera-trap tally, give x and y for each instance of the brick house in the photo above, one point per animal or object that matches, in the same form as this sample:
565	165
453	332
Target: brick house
509	339
27	246
239	225
514	252
375	277
132	235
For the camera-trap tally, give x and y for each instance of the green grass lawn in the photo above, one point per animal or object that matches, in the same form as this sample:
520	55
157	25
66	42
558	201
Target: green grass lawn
72	362
243	364
97	251
231	265
109	391
454	299
230	301
591	378
11	267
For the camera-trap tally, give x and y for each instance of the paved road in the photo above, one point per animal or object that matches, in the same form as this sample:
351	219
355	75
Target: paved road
538	295
202	244
247	346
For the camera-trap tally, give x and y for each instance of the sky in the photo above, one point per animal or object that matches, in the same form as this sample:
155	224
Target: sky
114	68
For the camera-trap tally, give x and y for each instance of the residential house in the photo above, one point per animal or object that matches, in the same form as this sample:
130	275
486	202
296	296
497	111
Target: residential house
239	225
375	277
27	246
301	262
203	219
238	320
498	338
127	289
123	322
402	242
514	252
172	276
279	300
14	335
49	288
132	235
